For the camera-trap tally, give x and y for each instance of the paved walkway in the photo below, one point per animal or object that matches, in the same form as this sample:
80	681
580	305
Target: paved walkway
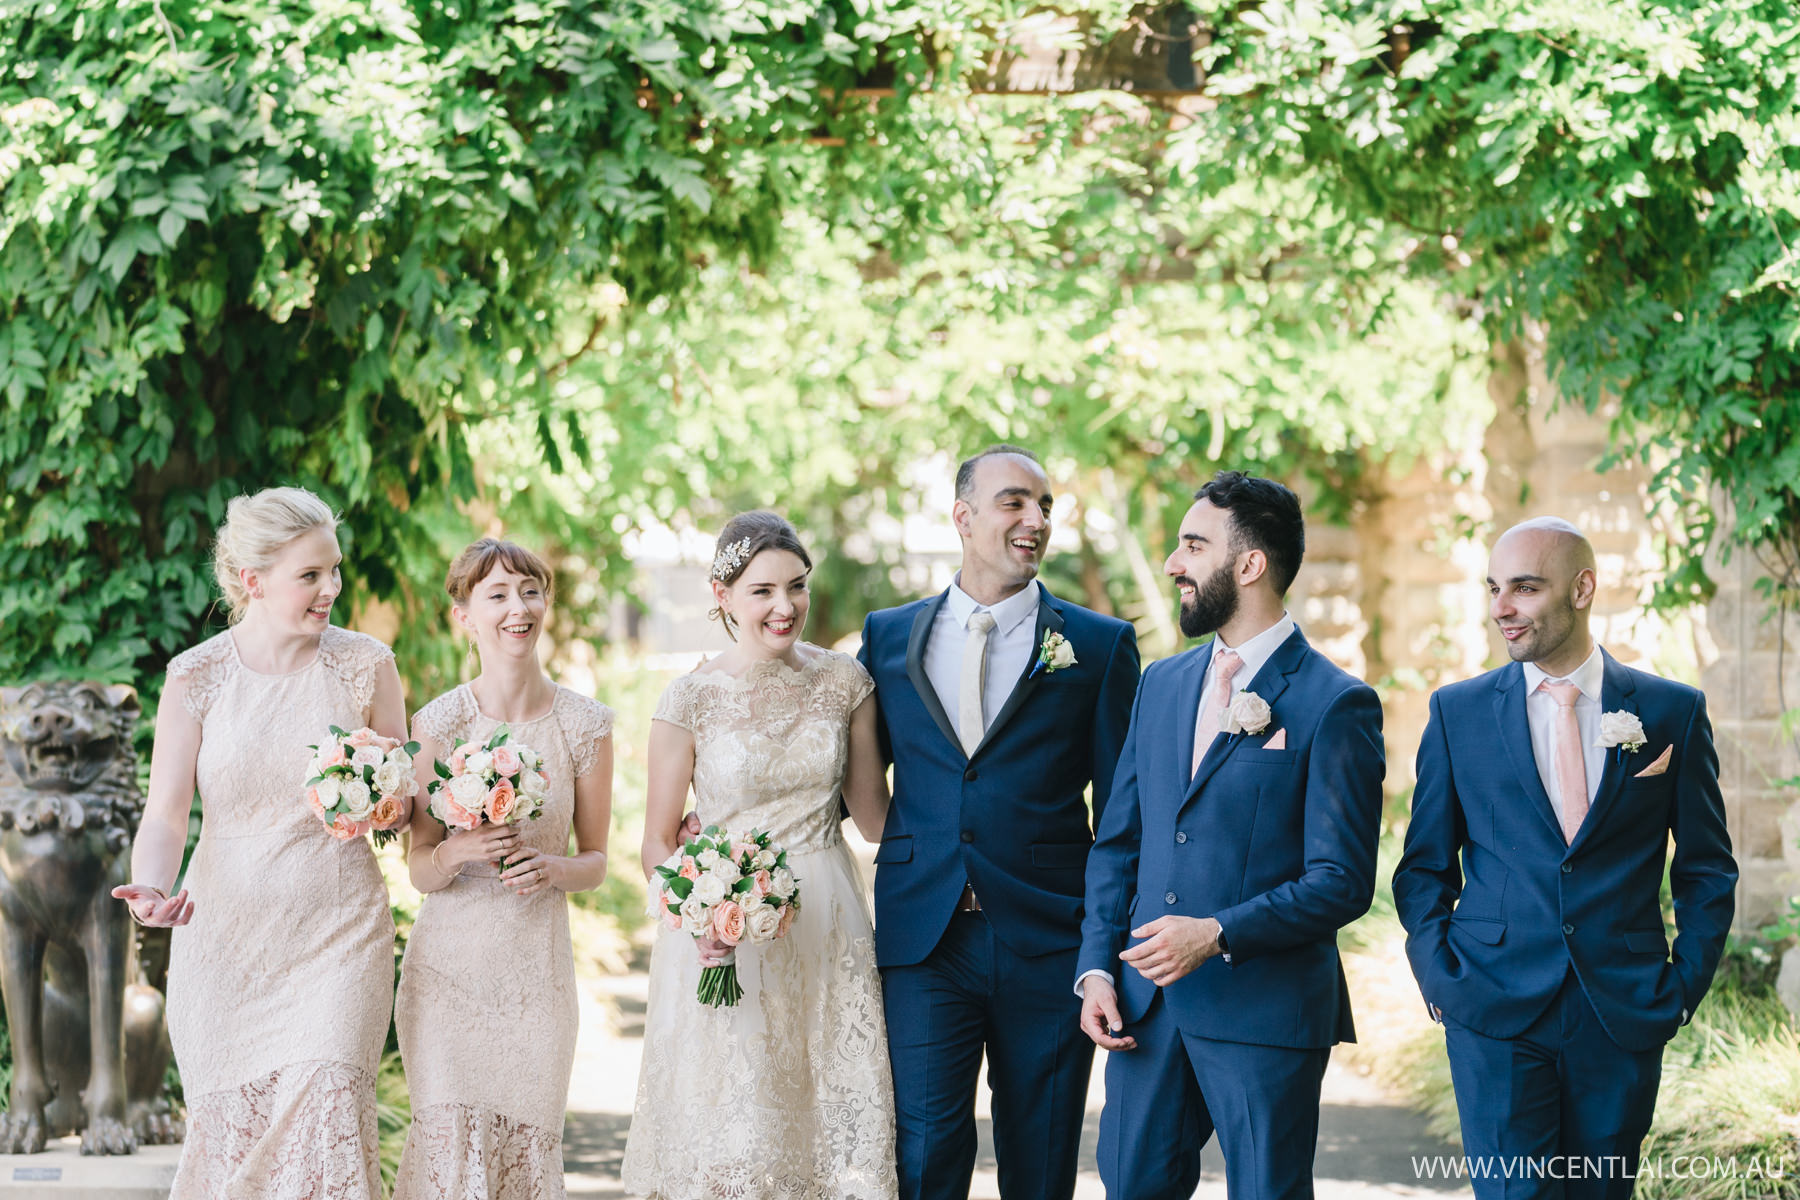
1367	1143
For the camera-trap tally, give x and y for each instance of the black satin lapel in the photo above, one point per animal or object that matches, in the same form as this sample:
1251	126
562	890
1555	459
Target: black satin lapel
1048	621
915	670
1515	734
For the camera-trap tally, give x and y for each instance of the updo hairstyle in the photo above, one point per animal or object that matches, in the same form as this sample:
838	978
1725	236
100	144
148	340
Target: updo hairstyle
478	561
256	530
743	538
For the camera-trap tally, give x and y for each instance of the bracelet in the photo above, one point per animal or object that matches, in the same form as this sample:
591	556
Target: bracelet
164	895
440	870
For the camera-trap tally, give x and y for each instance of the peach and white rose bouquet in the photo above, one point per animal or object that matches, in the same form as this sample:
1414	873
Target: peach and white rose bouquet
497	782
359	781
734	888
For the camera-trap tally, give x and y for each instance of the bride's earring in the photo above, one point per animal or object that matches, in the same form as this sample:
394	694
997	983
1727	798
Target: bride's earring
470	662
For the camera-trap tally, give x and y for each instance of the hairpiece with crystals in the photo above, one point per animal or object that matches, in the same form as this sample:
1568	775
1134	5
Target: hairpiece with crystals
730	559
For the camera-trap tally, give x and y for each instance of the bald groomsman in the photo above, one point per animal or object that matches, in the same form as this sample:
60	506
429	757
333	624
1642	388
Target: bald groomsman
1548	793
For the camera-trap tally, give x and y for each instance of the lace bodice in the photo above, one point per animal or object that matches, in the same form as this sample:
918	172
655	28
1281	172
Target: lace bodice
770	746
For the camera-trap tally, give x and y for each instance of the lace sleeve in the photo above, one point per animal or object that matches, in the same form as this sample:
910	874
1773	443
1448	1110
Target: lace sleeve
201	670
442	720
849	683
358	658
677	704
585	723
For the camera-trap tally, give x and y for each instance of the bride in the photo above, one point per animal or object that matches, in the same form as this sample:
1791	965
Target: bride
788	1094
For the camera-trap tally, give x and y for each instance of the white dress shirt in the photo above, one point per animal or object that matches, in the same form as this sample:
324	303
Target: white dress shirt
1009	649
1540	715
1254	652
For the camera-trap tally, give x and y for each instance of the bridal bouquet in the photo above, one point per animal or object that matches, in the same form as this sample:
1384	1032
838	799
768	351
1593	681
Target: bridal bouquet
495	781
737	889
359	781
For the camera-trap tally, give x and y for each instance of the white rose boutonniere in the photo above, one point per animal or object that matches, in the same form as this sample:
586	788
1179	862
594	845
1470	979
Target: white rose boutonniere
1622	729
1054	654
1247	713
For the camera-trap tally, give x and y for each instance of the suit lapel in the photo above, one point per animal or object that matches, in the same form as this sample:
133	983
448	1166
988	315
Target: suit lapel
915	668
1616	690
1515	735
1269	683
1049	620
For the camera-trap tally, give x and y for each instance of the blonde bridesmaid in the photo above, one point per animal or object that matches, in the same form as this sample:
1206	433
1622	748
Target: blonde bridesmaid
281	972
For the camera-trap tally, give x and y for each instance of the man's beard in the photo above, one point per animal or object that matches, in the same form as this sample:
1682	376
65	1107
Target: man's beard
1215	602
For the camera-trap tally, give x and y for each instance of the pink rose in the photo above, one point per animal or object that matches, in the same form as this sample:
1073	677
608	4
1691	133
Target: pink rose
459	759
364	737
318	805
387	813
501	802
759	882
343	828
335	757
506	761
458	817
728	923
689	868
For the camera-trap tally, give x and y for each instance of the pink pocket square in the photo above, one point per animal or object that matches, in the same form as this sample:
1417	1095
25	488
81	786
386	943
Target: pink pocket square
1278	742
1659	766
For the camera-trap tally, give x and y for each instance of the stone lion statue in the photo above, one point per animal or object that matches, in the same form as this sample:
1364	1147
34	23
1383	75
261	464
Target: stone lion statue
80	1014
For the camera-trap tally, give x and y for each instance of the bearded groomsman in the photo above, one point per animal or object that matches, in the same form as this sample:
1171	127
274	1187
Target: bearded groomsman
1240	837
999	705
1548	793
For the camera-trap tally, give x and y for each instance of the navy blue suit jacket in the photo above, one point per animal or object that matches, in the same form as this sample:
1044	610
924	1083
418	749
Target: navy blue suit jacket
1496	904
1277	845
1010	819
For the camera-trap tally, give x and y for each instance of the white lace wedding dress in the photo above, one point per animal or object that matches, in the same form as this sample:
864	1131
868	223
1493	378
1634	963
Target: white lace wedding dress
789	1094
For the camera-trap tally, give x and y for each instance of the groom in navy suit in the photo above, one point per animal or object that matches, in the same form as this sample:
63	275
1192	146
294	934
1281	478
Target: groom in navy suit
999	705
1240	837
1548	793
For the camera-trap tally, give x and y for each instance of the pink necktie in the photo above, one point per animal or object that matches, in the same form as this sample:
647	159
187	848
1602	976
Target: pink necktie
1225	665
1571	764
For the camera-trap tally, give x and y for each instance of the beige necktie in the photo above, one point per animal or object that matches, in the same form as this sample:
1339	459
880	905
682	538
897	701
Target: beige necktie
1212	712
969	723
1570	763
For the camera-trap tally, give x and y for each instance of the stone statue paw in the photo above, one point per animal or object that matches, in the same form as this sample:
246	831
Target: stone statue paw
154	1125
107	1135
22	1132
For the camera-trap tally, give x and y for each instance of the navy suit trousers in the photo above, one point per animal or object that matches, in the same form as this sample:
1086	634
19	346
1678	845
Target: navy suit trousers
1558	1112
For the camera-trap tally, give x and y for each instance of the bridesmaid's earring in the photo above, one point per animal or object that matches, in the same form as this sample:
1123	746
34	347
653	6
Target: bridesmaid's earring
469	660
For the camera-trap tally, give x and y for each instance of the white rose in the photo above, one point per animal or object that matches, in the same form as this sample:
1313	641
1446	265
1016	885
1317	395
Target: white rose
709	889
479	763
359	802
1247	713
390	778
708	859
764	860
399	755
781	882
1061	655
1620	729
693	915
530	758
532	784
468	791
366	756
761	922
727	871
329	791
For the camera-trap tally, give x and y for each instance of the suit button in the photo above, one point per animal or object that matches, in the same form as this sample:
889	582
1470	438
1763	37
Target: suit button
968	835
971	775
1168	897
1567	929
1567	867
1180	838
